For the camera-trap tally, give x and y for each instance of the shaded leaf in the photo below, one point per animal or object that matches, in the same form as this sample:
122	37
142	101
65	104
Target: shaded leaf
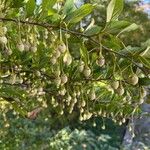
30	6
144	81
93	30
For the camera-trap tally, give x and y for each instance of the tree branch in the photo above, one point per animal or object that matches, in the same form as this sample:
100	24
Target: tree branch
47	26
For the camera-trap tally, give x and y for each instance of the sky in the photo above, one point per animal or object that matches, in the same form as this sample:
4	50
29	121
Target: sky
143	1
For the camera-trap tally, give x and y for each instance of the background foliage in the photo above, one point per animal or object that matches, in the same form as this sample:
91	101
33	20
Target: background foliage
70	62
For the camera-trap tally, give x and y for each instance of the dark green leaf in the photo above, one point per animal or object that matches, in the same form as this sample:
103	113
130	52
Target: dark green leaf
93	30
144	81
30	6
17	3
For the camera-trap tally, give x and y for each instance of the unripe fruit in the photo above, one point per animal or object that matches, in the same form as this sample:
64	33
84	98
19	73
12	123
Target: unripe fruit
101	61
57	54
62	47
8	51
81	66
27	46
83	103
94	124
81	118
3	40
92	94
87	71
33	48
115	84
67	35
120	91
134	79
62	92
64	79
61	112
81	110
53	60
67	59
120	123
4	30
57	73
103	127
143	92
57	81
20	47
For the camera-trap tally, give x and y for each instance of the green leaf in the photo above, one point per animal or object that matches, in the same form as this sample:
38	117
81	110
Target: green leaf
79	14
131	27
113	43
144	81
51	12
18	109
17	3
145	61
48	4
117	26
114	9
132	51
146	53
84	54
68	7
30	6
93	30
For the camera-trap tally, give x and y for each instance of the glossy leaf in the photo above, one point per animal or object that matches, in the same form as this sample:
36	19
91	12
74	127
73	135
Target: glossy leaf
68	7
131	27
79	14
114	9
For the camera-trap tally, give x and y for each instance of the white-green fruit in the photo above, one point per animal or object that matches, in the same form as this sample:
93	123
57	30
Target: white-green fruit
27	46
3	40
62	47
134	79
8	51
92	95
57	73
87	71
143	92
20	46
33	48
115	84
67	59
57	81
120	91
57	54
101	61
94	124
4	30
81	66
53	60
62	92
103	127
64	79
